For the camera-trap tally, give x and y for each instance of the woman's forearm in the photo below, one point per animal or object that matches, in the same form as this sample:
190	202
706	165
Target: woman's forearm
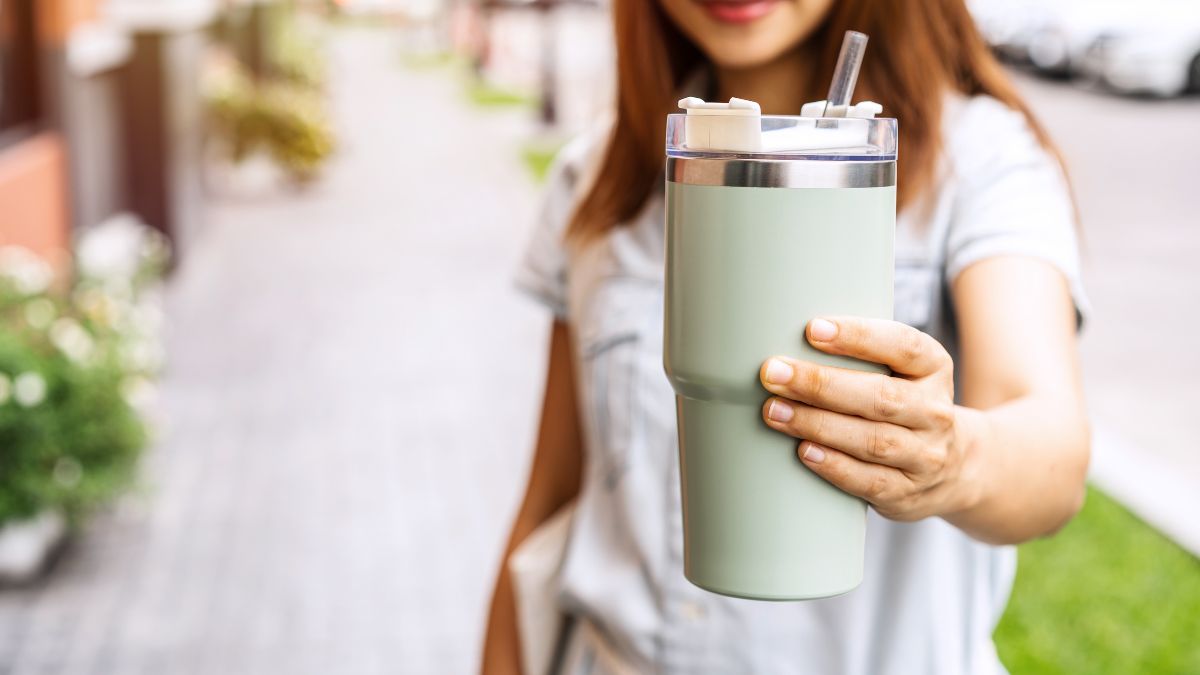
1024	468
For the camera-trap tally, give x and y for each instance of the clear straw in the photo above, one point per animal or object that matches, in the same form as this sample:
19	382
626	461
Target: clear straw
845	74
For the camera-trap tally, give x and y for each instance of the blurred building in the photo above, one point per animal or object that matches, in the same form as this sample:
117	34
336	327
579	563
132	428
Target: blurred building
101	114
33	157
558	51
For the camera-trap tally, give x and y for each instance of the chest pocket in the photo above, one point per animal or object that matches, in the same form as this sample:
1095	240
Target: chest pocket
618	351
917	293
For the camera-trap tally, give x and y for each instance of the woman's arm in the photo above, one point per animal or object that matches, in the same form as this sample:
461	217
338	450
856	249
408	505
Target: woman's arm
553	481
1019	370
1008	465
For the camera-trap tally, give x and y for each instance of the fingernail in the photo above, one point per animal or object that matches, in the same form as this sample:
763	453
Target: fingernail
779	411
822	330
813	453
778	372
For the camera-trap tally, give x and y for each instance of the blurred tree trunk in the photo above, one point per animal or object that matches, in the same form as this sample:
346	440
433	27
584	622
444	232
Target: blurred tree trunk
549	64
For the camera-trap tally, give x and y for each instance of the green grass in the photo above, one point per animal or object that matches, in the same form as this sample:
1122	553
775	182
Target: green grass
539	155
430	60
490	96
352	20
1108	594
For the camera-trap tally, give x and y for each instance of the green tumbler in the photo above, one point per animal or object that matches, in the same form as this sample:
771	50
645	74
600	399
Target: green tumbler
792	219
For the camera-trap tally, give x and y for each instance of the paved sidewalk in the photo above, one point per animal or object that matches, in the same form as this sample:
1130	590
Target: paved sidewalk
351	396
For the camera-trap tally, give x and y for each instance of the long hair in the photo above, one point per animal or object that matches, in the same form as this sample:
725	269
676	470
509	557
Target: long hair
919	51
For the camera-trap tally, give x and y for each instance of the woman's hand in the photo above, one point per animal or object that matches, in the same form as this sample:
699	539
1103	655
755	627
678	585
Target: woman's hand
896	440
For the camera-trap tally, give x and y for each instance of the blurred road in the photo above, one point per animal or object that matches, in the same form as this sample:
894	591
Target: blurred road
1136	171
353	387
351	393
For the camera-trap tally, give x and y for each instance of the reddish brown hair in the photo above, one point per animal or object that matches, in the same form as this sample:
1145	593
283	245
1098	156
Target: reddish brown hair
918	51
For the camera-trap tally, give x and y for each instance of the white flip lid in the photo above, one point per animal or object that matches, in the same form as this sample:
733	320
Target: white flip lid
736	106
866	110
737	126
732	126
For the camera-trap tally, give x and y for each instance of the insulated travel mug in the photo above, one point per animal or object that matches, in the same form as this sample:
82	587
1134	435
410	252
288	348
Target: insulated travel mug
771	221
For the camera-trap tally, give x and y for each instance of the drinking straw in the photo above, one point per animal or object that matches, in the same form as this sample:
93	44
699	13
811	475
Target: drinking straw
845	73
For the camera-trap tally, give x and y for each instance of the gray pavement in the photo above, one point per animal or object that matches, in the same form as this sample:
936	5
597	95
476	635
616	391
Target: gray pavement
352	391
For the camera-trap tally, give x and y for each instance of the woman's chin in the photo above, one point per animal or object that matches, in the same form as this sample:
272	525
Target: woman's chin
741	54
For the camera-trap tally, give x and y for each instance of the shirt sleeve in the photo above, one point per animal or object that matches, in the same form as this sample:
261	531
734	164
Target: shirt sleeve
542	272
1013	197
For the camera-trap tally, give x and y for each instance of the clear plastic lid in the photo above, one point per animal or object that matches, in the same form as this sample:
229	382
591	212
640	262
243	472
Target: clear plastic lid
782	137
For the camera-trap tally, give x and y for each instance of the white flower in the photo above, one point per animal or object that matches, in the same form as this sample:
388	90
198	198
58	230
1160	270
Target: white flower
71	339
142	354
5	388
39	312
68	472
147	319
97	305
29	274
156	249
118	289
139	392
112	249
29	389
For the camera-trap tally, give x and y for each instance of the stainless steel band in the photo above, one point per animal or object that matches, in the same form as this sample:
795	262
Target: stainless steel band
811	173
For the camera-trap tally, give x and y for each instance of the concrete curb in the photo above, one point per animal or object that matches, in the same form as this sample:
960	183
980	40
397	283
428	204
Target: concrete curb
1160	494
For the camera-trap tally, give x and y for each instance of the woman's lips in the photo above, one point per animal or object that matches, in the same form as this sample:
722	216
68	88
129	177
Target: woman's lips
738	11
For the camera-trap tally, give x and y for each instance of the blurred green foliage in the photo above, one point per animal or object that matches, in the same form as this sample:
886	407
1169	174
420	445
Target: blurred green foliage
73	451
538	157
71	361
286	121
432	60
1108	594
296	55
488	95
282	113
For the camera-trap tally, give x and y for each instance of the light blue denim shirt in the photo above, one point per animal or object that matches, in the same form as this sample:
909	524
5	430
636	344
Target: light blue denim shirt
931	596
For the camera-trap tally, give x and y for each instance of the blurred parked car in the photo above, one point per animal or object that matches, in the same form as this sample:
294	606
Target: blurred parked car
1009	26
1152	47
1164	62
1059	40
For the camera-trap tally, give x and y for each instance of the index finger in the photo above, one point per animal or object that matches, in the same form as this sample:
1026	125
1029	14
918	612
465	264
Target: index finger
901	347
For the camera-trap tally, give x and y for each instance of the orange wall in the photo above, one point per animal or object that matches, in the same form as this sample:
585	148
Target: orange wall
56	18
33	196
33	172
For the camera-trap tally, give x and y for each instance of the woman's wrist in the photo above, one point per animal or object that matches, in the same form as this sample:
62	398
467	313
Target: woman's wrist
971	485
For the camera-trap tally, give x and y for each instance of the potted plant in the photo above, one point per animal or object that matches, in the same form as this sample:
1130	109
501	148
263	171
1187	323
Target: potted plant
282	121
76	358
276	112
